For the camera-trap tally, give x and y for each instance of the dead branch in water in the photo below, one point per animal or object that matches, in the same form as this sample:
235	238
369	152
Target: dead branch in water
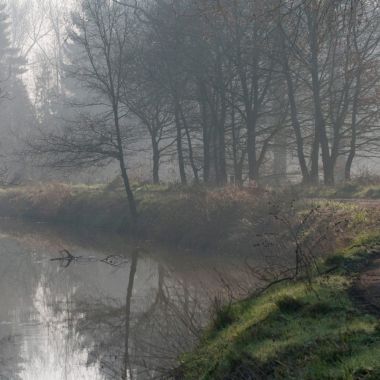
111	260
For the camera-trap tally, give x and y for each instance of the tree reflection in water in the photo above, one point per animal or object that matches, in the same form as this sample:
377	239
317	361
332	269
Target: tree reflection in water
92	320
140	340
10	358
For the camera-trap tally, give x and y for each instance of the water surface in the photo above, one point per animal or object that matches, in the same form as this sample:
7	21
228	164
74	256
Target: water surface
128	316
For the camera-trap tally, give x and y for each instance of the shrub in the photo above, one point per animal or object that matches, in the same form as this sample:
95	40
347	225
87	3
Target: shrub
289	304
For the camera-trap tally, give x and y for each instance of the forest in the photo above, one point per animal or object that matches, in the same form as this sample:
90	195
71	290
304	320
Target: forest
219	92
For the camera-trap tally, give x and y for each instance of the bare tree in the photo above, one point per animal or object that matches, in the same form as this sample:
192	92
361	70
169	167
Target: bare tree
205	82
100	38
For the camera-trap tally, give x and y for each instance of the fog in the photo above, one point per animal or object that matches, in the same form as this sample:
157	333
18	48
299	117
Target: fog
208	126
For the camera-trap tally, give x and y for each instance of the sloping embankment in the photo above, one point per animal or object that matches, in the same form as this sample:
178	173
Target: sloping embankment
296	330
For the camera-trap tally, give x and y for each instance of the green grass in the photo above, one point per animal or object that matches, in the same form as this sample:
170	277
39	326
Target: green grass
295	331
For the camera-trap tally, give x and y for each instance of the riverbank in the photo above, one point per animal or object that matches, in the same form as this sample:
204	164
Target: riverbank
190	217
228	219
296	330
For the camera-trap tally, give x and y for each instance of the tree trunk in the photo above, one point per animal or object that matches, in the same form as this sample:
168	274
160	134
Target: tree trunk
206	154
205	132
123	169
222	156
156	161
320	124
215	154
253	170
128	190
190	146
296	125
238	169
220	122
314	170
127	370
181	160
352	152
217	161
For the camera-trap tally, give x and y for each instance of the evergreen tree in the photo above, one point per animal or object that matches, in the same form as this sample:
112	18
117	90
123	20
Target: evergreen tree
16	111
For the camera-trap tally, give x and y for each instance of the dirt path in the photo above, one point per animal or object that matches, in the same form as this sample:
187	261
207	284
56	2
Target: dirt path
368	203
365	202
368	285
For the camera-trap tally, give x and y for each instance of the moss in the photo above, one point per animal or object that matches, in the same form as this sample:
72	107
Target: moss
294	331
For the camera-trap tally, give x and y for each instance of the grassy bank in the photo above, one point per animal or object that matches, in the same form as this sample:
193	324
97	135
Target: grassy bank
295	330
227	219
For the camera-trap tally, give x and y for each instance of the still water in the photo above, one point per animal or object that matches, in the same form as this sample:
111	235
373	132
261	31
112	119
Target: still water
118	310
